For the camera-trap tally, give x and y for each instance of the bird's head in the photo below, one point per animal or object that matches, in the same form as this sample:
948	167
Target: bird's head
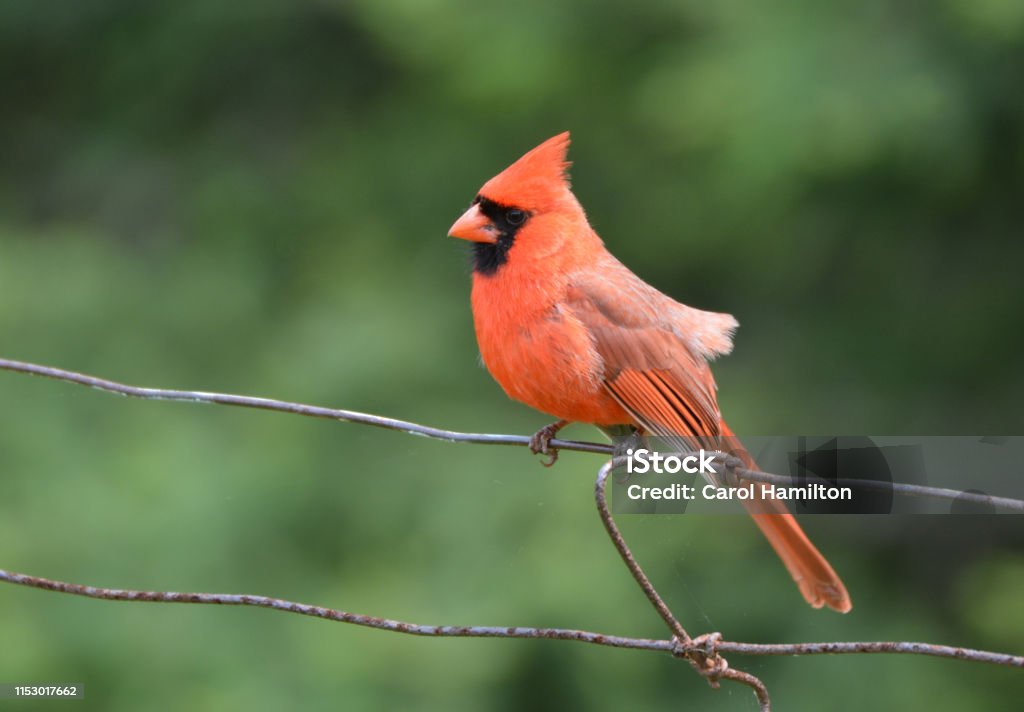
527	211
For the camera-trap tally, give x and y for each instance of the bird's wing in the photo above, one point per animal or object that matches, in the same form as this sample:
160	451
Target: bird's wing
654	350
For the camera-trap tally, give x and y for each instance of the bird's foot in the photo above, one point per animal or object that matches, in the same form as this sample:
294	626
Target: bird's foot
540	443
626	445
625	441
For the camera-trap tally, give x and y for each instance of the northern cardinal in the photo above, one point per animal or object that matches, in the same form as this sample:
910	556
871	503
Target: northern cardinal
566	328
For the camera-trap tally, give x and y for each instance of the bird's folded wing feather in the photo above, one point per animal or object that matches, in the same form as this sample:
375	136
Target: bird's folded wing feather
654	351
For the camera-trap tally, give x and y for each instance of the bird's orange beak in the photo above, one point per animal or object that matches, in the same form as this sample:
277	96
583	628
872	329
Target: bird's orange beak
474	226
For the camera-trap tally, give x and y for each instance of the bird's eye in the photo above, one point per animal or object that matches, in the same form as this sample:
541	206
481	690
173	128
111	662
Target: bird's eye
515	216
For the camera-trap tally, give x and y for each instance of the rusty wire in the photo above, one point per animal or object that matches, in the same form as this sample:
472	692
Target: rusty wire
704	652
454	631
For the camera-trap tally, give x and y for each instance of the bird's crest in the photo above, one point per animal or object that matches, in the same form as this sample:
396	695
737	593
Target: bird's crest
537	181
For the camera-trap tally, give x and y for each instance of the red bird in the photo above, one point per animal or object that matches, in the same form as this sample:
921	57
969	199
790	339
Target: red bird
566	328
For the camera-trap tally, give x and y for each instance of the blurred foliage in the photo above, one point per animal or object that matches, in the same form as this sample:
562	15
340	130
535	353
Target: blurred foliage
254	199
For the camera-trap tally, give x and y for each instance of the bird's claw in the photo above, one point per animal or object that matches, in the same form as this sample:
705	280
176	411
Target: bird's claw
623	446
540	442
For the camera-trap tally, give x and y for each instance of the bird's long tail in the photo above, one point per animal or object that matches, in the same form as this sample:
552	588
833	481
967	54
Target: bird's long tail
816	579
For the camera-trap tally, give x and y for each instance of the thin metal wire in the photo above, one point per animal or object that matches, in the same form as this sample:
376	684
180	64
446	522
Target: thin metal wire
404	426
396	626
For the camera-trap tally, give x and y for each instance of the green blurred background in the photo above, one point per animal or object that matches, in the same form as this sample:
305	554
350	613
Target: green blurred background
254	199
